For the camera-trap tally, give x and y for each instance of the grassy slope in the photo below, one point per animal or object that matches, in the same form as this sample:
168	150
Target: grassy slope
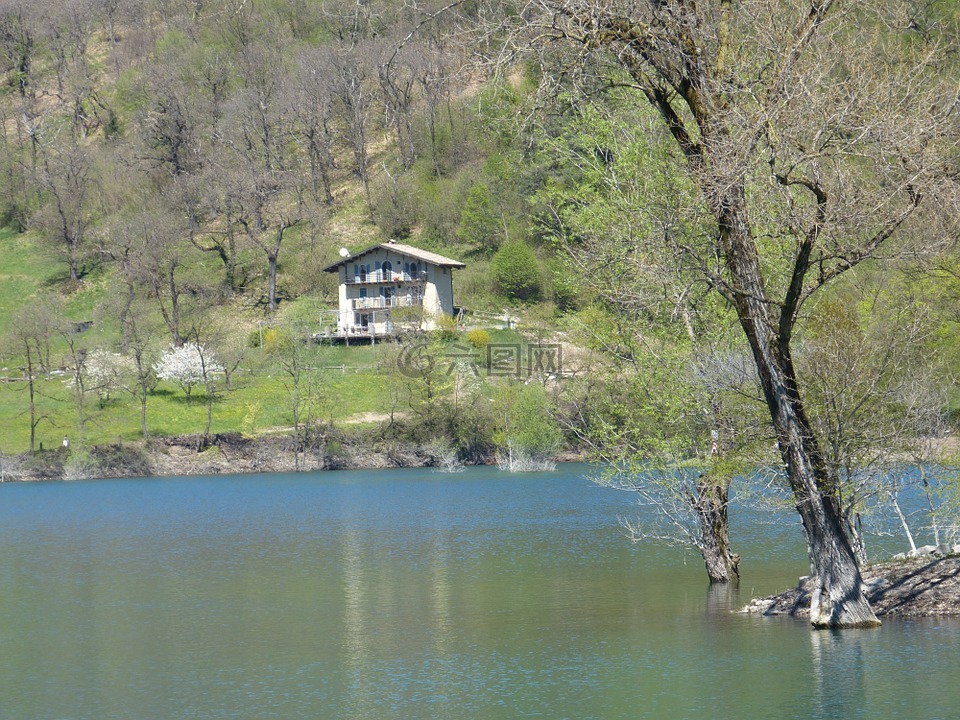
353	381
259	395
27	272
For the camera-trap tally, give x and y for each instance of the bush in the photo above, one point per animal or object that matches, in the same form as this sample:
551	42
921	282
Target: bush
528	436
479	338
516	271
446	327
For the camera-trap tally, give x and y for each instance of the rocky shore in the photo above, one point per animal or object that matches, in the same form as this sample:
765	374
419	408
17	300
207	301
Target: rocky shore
926	585
222	454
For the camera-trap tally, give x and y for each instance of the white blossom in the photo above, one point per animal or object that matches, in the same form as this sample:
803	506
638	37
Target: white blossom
105	371
188	365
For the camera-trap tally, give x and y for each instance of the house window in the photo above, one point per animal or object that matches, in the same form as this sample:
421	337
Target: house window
387	271
406	270
363	273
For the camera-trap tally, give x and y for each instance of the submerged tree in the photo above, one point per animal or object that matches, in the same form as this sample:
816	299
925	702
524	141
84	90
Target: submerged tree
807	137
526	433
675	422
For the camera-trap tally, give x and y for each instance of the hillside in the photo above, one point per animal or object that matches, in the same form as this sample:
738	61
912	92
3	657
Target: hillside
181	173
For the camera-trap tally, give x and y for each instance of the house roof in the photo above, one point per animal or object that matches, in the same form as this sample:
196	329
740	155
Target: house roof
426	256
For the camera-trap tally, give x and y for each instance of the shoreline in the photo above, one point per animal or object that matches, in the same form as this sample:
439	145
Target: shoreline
232	453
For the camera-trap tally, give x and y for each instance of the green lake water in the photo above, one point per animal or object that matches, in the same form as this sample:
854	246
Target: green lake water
413	594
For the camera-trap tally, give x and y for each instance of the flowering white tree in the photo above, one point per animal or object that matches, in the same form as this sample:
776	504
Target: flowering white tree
188	365
106	372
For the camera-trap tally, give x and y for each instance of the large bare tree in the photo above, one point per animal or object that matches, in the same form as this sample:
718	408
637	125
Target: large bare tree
816	135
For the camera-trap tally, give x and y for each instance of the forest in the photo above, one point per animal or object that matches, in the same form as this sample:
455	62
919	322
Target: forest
739	224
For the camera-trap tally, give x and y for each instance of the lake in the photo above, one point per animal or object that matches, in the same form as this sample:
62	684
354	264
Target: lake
414	594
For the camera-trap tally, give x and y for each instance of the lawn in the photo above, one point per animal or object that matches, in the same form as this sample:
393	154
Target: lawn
347	382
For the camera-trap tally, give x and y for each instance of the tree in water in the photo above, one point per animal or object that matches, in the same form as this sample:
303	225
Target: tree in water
801	154
675	424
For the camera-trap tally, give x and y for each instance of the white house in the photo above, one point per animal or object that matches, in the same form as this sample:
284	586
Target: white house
378	284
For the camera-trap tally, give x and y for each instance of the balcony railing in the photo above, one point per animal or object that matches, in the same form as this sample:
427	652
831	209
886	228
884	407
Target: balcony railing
389	277
384	303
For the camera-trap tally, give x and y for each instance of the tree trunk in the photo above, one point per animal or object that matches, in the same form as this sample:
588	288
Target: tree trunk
711	506
143	413
211	396
72	260
272	282
33	404
838	599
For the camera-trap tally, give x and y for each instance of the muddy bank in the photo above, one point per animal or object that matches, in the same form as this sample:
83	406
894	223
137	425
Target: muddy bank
924	586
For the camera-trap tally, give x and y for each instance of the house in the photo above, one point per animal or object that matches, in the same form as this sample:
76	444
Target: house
390	286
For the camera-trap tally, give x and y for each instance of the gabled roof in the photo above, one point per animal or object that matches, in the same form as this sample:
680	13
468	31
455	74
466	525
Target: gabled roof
400	248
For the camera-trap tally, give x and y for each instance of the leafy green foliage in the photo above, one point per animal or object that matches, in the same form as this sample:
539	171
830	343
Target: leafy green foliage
478	338
525	421
481	226
516	271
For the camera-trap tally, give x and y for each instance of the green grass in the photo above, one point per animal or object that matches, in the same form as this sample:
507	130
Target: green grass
24	273
29	272
348	380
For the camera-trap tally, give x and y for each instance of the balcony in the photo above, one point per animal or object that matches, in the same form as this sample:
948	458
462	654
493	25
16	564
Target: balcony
385	303
379	277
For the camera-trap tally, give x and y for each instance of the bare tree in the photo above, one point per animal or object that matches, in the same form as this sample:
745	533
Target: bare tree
808	154
398	76
436	75
18	40
354	102
140	331
263	187
313	111
67	179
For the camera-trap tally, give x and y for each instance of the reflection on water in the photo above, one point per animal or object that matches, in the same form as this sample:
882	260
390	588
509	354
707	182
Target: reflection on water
410	595
838	671
722	600
356	638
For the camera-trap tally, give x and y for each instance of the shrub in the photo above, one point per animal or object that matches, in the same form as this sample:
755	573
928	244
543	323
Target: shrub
446	328
516	271
528	436
479	338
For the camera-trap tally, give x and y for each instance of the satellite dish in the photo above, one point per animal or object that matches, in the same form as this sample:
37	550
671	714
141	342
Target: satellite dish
344	252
